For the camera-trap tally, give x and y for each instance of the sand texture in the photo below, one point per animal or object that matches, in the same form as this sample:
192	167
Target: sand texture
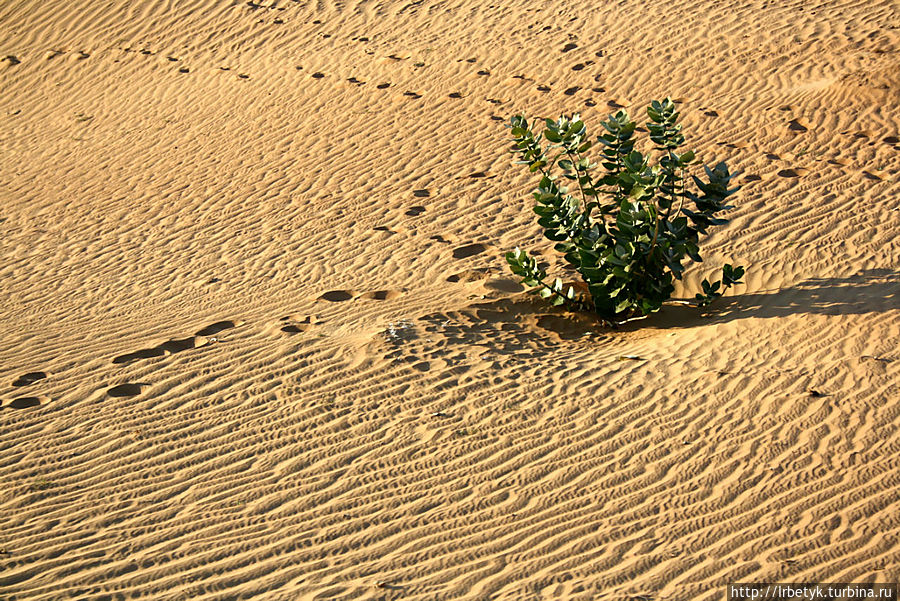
258	340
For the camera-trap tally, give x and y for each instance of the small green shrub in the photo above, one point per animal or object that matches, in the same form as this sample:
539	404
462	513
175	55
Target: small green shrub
629	231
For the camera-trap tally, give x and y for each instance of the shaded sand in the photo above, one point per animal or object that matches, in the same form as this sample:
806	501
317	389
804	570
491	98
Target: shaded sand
259	340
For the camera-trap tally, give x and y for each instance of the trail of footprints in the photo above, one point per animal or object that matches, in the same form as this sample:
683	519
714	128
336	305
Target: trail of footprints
209	335
200	339
796	125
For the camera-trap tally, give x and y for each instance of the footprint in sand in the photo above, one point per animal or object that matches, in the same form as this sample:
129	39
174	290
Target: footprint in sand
872	174
12	60
353	80
146	353
337	296
412	95
543	89
177	345
415	211
127	389
455	95
569	47
29	378
219	326
571	91
25	402
382	295
169	347
383	86
469	250
423	193
484	72
795	172
798	125
711	113
318	75
291	326
470	275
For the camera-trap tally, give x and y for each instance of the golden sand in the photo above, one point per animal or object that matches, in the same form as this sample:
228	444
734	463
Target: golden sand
259	340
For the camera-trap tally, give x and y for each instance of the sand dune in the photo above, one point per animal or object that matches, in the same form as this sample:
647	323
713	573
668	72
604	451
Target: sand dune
259	340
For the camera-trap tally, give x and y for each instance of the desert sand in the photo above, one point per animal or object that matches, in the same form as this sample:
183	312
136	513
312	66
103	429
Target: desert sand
259	340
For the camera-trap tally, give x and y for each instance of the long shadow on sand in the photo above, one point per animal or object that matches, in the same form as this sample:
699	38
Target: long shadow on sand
872	291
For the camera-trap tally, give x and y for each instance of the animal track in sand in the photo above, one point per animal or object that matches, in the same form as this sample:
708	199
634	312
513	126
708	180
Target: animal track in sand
543	89
569	47
571	91
29	378
383	86
413	95
26	402
415	211
421	193
455	95
127	389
